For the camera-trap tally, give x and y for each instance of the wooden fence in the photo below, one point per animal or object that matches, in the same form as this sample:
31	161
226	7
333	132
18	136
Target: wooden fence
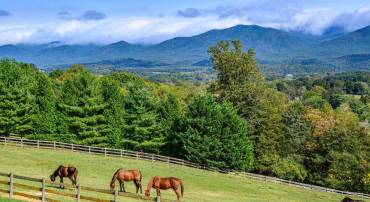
42	189
154	157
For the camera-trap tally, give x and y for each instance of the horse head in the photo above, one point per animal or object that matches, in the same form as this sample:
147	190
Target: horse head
147	193
52	178
112	185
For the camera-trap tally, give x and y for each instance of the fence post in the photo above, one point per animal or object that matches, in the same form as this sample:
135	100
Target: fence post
54	145
4	140
22	142
158	198
38	144
137	155
11	185
72	147
89	149
121	153
78	196
152	158
168	159
43	190
105	151
115	196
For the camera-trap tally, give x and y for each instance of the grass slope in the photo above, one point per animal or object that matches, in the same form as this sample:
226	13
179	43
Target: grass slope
96	171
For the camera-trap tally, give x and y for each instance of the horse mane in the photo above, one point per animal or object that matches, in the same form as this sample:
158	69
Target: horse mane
150	184
114	178
56	172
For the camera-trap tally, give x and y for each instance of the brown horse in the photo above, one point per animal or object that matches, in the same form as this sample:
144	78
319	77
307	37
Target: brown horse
127	175
62	171
165	183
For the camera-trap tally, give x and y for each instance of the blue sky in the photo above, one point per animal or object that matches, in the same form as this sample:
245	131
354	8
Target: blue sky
152	21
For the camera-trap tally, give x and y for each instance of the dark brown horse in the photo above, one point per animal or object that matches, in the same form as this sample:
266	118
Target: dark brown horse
165	183
62	171
127	175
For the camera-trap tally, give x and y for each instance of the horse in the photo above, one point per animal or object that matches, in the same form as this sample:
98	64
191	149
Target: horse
165	183
62	171
127	175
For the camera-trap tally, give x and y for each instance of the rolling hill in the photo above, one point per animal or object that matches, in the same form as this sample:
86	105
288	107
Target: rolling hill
278	51
96	171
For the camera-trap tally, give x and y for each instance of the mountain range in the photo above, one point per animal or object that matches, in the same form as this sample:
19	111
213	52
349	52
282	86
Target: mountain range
277	51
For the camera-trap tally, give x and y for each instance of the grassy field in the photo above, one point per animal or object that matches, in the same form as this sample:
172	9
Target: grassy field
96	171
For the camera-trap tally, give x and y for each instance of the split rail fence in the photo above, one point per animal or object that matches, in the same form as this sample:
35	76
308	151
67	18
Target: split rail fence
45	190
159	158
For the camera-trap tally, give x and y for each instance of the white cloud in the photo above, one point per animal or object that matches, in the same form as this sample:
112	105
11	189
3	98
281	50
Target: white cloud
132	29
152	29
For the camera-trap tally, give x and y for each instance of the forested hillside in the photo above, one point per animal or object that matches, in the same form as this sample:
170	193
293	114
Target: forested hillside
278	52
312	129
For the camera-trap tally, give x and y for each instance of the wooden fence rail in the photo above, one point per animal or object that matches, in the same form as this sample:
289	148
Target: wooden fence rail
166	159
47	187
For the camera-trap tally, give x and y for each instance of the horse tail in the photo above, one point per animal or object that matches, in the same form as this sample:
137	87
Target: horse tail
182	188
141	177
114	179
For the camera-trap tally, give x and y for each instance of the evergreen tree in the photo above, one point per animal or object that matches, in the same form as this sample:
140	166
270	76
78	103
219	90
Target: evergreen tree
45	121
82	108
216	136
114	111
171	124
142	130
17	97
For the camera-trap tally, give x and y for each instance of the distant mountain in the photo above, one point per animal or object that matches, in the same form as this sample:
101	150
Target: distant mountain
278	51
332	32
357	42
268	43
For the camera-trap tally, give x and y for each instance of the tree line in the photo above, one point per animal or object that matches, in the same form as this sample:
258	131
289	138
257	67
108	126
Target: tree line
238	122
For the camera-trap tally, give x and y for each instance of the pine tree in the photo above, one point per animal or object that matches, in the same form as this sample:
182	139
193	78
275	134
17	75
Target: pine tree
17	98
216	136
82	108
114	111
45	120
171	124
142	130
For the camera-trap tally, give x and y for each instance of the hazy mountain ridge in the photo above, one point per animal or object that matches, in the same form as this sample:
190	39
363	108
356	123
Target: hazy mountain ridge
277	49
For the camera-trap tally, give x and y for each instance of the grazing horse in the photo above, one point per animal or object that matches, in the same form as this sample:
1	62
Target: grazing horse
127	175
165	183
62	171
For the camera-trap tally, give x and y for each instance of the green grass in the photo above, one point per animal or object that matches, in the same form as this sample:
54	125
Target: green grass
8	200
96	171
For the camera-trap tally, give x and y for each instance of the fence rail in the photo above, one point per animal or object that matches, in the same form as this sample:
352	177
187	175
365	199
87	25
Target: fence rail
46	188
166	159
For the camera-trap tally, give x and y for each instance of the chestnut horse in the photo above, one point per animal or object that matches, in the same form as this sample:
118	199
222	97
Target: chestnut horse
127	175
165	183
62	171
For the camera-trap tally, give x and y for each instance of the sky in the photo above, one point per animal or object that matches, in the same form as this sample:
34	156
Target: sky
153	21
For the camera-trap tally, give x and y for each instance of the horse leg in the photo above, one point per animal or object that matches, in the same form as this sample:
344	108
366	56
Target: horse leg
61	183
136	185
177	193
75	179
141	188
72	180
123	186
158	192
120	185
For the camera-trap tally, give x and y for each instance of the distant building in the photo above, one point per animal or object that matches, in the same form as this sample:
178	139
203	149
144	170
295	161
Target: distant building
289	76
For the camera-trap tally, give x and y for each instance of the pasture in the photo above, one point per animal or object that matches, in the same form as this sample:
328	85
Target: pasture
200	185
